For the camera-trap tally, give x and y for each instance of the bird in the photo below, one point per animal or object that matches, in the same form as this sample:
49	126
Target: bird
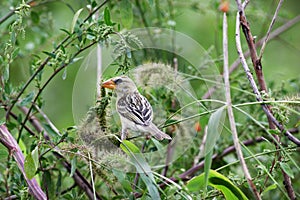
133	108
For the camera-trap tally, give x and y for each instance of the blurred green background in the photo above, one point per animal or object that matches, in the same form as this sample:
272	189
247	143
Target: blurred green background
200	20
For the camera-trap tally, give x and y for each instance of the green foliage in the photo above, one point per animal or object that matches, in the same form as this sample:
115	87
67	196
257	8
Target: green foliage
214	127
43	44
29	167
218	181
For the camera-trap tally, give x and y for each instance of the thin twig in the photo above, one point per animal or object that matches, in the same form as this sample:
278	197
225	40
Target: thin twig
190	172
47	120
230	111
245	3
274	34
12	12
257	65
77	176
92	176
273	123
43	64
169	154
269	30
187	175
288	185
15	117
47	82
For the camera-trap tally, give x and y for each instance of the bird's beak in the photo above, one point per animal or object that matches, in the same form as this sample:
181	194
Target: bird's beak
109	84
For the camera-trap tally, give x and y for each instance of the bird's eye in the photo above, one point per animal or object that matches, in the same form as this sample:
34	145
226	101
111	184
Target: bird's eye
118	80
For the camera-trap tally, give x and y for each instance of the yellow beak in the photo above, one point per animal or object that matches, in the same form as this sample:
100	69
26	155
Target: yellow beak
109	84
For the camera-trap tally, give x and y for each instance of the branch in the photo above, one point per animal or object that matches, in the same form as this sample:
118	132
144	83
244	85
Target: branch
288	185
269	30
190	172
273	123
11	144
266	109
187	175
77	176
274	34
230	111
41	67
47	82
12	12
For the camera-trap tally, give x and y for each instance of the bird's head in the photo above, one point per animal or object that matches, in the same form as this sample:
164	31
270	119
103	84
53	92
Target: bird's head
121	84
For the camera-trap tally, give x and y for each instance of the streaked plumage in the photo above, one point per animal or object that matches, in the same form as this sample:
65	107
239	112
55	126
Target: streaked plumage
134	109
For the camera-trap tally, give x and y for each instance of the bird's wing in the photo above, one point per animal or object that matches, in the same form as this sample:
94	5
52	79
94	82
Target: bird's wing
136	108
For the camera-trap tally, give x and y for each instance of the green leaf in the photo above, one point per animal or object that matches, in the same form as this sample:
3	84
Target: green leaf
207	166
90	37
49	130
64	75
107	19
3	154
48	182
126	13
52	55
59	182
1	60
151	3
22	147
274	131
158	145
13	37
6	73
74	60
214	128
121	176
2	120
287	169
28	99
218	181
142	167
15	53
35	17
35	157
128	147
75	18
271	187
66	31
151	186
29	167
73	166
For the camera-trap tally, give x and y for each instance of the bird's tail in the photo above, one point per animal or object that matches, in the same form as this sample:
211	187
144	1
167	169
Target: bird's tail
158	134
